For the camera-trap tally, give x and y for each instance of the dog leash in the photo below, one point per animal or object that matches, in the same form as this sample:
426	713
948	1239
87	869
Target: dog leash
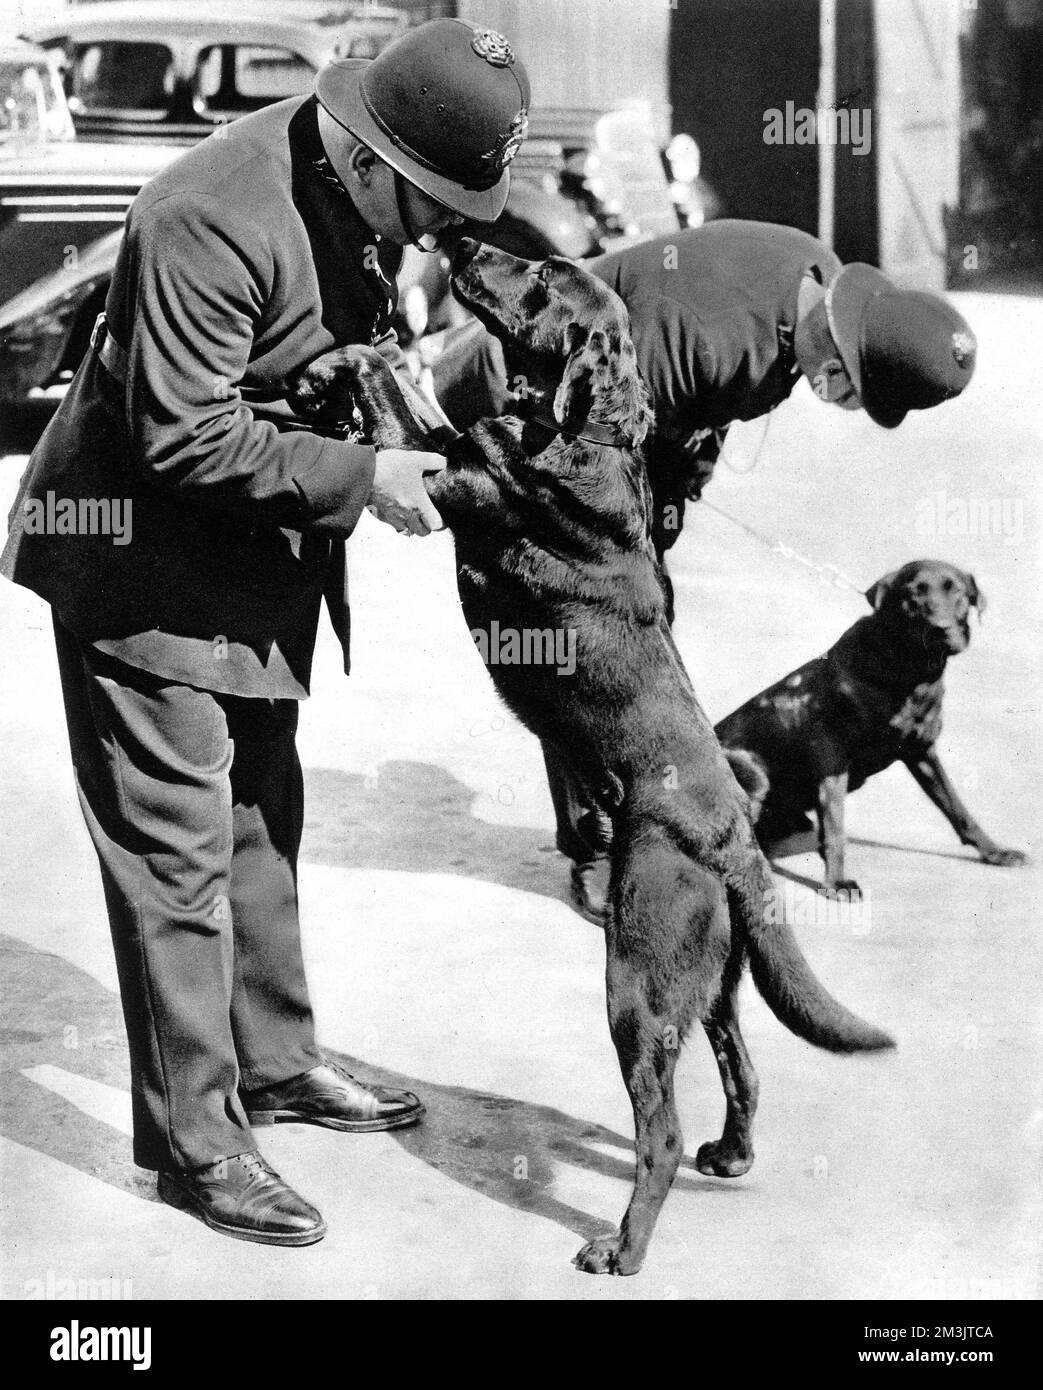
826	572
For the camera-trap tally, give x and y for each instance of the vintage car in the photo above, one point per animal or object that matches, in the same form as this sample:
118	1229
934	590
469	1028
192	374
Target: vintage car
145	70
58	197
142	83
144	80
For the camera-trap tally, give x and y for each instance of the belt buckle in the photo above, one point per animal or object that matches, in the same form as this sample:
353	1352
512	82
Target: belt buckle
99	324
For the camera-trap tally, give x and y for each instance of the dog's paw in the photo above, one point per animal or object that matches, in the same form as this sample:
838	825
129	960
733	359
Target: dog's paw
605	1256
1005	858
715	1161
328	388
846	890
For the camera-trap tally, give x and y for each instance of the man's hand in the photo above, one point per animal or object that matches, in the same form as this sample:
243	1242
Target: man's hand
399	497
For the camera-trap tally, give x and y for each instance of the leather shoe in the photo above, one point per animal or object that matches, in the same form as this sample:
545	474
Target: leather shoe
588	890
330	1096
244	1197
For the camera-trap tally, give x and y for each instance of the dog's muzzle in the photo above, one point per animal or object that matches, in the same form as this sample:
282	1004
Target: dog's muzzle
948	637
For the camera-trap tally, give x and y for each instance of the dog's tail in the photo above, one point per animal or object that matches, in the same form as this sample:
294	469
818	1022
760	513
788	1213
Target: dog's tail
749	772
785	978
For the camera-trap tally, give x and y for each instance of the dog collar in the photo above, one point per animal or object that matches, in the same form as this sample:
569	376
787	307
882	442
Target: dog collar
593	431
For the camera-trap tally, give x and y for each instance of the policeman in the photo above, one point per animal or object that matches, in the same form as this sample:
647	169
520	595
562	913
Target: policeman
184	652
726	318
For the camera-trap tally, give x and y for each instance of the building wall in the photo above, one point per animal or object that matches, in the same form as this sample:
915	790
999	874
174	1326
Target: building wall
917	144
587	54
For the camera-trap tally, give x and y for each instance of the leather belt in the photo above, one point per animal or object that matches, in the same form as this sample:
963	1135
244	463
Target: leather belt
113	357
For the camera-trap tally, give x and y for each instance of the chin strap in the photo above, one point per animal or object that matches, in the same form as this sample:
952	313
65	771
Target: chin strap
592	431
403	217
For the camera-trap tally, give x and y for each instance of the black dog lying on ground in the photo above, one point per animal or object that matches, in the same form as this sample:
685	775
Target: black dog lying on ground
550	518
875	698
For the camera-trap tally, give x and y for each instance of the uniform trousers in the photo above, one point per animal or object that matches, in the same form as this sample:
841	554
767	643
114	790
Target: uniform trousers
194	802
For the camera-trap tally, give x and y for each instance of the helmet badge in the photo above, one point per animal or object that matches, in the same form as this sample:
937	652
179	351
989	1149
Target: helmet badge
962	349
493	47
509	143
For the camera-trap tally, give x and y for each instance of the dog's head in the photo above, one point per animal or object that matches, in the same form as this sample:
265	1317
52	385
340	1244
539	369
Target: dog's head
563	331
929	601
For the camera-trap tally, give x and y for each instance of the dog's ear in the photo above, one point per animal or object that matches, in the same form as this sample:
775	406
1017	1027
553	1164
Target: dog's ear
601	367
632	402
975	597
877	592
586	369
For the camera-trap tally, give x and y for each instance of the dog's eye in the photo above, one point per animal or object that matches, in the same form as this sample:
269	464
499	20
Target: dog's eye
948	586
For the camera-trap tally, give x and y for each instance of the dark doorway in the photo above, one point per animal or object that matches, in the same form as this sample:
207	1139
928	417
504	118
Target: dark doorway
855	207
730	62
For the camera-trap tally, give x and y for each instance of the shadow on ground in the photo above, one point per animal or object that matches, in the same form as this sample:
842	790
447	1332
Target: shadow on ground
808	844
60	1016
416	817
966	856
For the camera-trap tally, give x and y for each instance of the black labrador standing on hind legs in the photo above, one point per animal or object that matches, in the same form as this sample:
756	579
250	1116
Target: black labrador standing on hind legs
550	518
875	698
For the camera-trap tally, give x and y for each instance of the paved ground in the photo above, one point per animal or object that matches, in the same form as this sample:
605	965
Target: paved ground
439	948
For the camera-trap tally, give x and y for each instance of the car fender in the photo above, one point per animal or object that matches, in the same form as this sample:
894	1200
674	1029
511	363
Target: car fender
44	329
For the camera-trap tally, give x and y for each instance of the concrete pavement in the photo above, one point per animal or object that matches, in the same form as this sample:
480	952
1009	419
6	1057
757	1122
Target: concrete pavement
440	952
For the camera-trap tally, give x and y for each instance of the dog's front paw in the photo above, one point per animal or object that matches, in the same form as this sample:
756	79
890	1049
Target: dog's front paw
606	1256
845	890
328	388
1005	858
714	1160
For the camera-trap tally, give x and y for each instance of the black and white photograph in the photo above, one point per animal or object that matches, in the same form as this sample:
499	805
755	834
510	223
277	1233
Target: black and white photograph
520	697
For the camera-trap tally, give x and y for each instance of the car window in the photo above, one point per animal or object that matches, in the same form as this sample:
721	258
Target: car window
135	79
32	107
233	78
272	73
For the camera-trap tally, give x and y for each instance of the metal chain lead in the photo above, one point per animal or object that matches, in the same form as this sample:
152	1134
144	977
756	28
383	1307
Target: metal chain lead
827	572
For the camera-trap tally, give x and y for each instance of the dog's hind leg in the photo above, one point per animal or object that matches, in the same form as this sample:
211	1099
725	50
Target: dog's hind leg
732	1154
668	939
647	1044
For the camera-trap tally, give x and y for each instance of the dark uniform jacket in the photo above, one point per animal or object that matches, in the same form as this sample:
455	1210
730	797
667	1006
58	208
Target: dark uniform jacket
712	312
241	262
